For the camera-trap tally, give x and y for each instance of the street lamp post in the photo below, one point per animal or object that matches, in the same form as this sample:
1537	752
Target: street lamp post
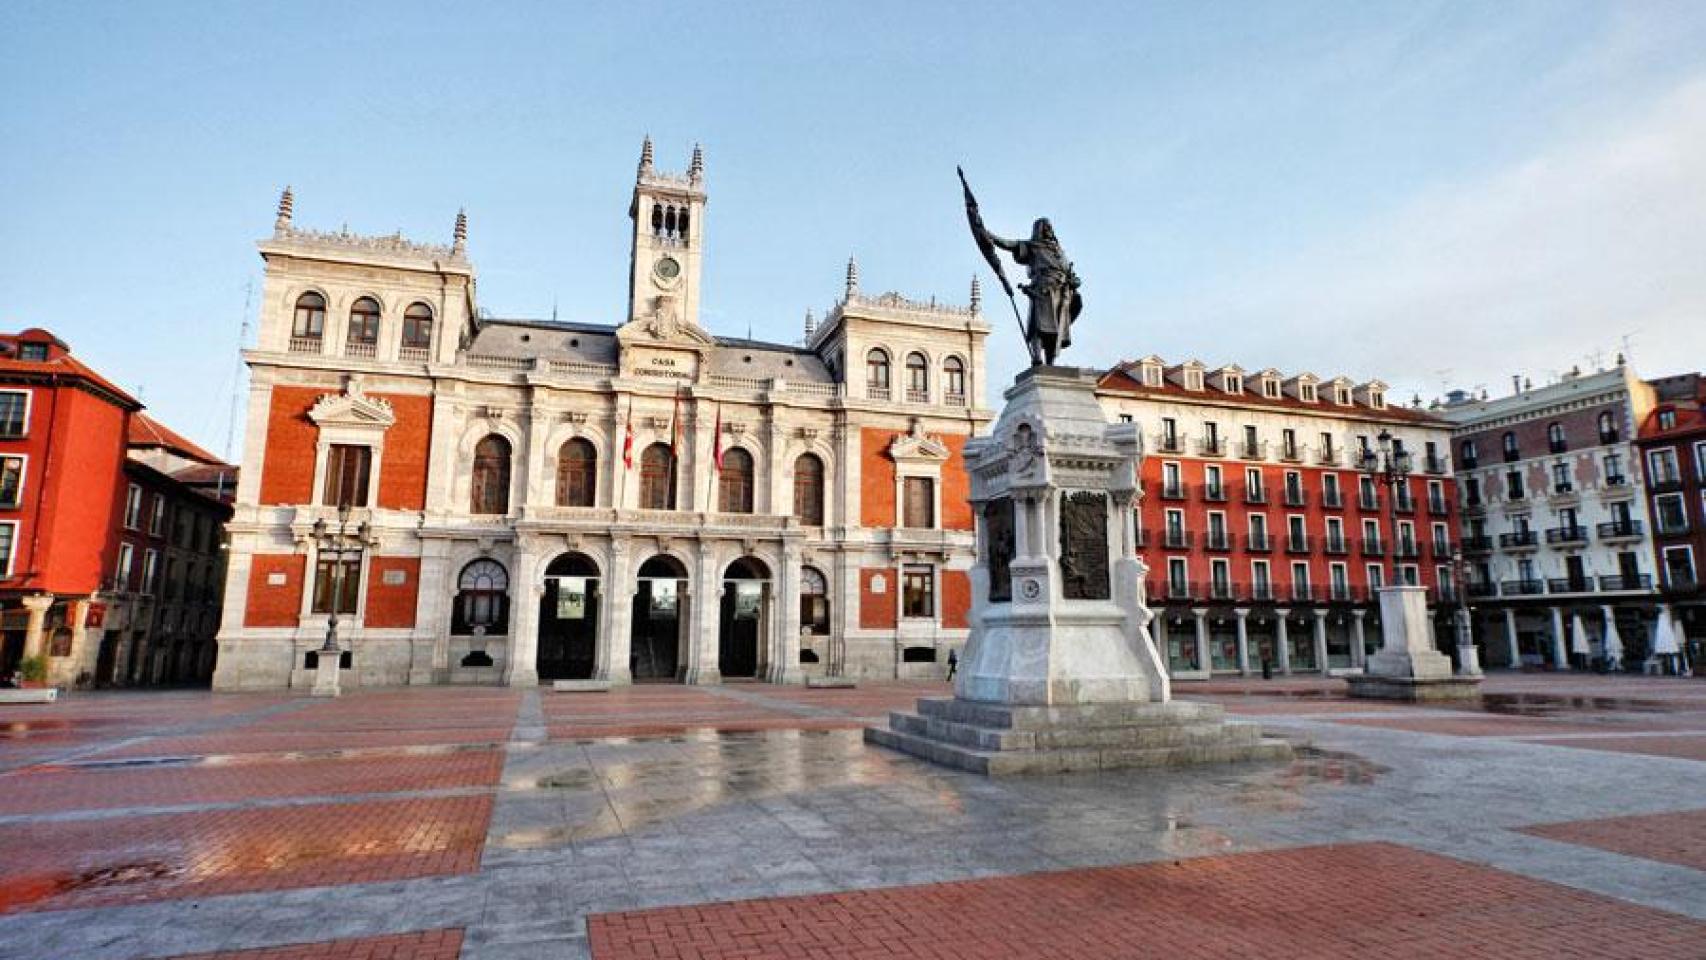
339	546
1390	467
1468	658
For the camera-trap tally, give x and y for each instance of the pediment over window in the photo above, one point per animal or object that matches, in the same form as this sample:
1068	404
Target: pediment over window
916	445
352	408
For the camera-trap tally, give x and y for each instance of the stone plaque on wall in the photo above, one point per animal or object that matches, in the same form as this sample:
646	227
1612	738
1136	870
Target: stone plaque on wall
998	540
1084	545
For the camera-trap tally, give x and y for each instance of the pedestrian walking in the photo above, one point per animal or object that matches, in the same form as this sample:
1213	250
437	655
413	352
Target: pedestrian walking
953	663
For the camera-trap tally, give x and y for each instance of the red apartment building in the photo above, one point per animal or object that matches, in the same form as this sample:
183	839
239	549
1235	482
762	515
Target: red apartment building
1672	441
1263	539
65	436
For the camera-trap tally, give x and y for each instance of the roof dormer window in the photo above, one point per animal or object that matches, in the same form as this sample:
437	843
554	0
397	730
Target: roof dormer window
1306	393
1151	375
1193	379
1234	383
1377	399
1342	395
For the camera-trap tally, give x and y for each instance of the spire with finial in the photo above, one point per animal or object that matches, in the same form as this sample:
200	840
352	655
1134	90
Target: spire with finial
696	169
460	236
286	208
852	276
646	156
811	323
976	295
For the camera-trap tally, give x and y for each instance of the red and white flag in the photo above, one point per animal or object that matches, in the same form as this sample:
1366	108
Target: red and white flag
628	439
675	427
717	441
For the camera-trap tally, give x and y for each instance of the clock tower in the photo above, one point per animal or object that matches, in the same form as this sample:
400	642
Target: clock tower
668	214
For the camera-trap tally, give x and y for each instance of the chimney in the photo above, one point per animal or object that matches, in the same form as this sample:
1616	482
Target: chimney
1516	383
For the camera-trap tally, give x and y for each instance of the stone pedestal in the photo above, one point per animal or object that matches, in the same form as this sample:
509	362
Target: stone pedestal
326	674
1060	671
1407	667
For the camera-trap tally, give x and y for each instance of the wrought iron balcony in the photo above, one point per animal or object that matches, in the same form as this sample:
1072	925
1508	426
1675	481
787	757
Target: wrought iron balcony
1435	464
1438	507
1296	497
1619	529
1261	592
1258	543
1253	451
1214	493
1367	502
1327	457
1441	549
1172	491
1211	447
1291	453
1169	443
1407	550
1177	539
1295	544
1470	463
1607	437
1563	535
1670	526
1481	544
1257	495
1557	446
1404	504
1217	540
1639	581
1336	546
1681	584
1344	593
1512	456
1523	588
1221	590
1332	499
1569	585
1487	589
1520	540
1305	592
1373	547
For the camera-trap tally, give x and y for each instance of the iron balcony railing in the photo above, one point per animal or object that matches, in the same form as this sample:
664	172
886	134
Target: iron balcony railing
1665	483
1291	453
1172	491
1368	501
1557	446
1522	538
1214	493
1681	583
1169	443
1221	590
1437	506
1305	592
1177	539
1488	589
1406	550
1404	504
1637	581
1256	495
1512	455
1332	499
1607	437
1327	457
1338	546
1343	593
1217	540
1373	547
1296	497
1211	447
1569	584
1523	588
1434	463
1296	544
1258	543
1261	591
1620	528
1481	544
1560	535
1253	451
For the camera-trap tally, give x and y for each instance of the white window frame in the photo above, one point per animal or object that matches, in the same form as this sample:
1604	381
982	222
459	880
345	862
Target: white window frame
1653	458
1254	520
1296	524
23	478
1182	568
1261	572
1375	574
150	570
1339	575
126	561
29	408
1664	561
133	508
1700	461
157	516
1409	575
11	547
1441	534
1336	525
1306	581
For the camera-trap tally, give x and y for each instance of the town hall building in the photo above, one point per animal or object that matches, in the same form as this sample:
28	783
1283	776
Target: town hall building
627	501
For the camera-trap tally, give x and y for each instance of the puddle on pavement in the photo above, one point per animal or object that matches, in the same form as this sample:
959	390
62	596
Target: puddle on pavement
1282	790
1552	705
287	756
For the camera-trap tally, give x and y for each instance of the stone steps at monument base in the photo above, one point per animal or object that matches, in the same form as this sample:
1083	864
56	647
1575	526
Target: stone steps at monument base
1007	716
1069	735
1234	747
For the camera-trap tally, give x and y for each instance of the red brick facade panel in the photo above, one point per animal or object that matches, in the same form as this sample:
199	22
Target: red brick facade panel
956	486
876	477
956	598
287	468
393	583
879	611
275	590
403	474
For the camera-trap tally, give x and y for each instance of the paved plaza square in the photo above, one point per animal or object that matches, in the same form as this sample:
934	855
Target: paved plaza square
1563	816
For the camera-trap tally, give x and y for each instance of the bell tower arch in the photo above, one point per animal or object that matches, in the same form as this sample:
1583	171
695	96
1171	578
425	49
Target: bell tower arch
668	215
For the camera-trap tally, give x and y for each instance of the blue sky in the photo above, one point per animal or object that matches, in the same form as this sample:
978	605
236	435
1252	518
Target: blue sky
1427	193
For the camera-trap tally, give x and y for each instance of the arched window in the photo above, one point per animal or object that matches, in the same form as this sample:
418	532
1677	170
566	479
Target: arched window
1512	452
735	485
954	382
310	321
490	489
482	599
808	490
1555	438
364	322
417	326
577	473
917	378
657	478
814	601
877	375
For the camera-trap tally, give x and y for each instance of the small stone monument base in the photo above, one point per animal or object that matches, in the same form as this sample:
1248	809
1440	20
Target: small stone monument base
1060	672
1001	739
1407	666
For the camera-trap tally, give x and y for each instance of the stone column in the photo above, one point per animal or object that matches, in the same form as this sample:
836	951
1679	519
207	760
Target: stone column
1241	614
1282	640
35	634
1560	654
63	671
1515	649
1359	639
1321	641
521	665
706	587
785	658
1162	642
435	592
1205	656
616	616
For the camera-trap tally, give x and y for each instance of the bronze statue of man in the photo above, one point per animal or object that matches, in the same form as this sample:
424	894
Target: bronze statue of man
1053	289
1053	286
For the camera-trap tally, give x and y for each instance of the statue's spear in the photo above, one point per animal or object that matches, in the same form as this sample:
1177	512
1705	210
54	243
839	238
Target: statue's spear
984	246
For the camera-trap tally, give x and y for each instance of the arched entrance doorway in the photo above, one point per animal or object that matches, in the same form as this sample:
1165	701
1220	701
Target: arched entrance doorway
655	653
745	613
568	618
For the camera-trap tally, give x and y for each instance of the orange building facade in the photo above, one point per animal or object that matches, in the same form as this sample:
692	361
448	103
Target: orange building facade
625	501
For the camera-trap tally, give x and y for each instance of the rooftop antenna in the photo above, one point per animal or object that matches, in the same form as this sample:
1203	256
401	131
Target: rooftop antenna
237	374
1596	359
1628	341
553	308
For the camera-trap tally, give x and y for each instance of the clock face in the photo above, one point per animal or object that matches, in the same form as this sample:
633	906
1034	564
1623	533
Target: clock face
667	269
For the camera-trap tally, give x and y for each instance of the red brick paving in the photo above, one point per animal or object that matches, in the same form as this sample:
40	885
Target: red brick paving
1354	902
1678	838
51	788
1682	747
248	741
422	945
64	864
1493	725
650	730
